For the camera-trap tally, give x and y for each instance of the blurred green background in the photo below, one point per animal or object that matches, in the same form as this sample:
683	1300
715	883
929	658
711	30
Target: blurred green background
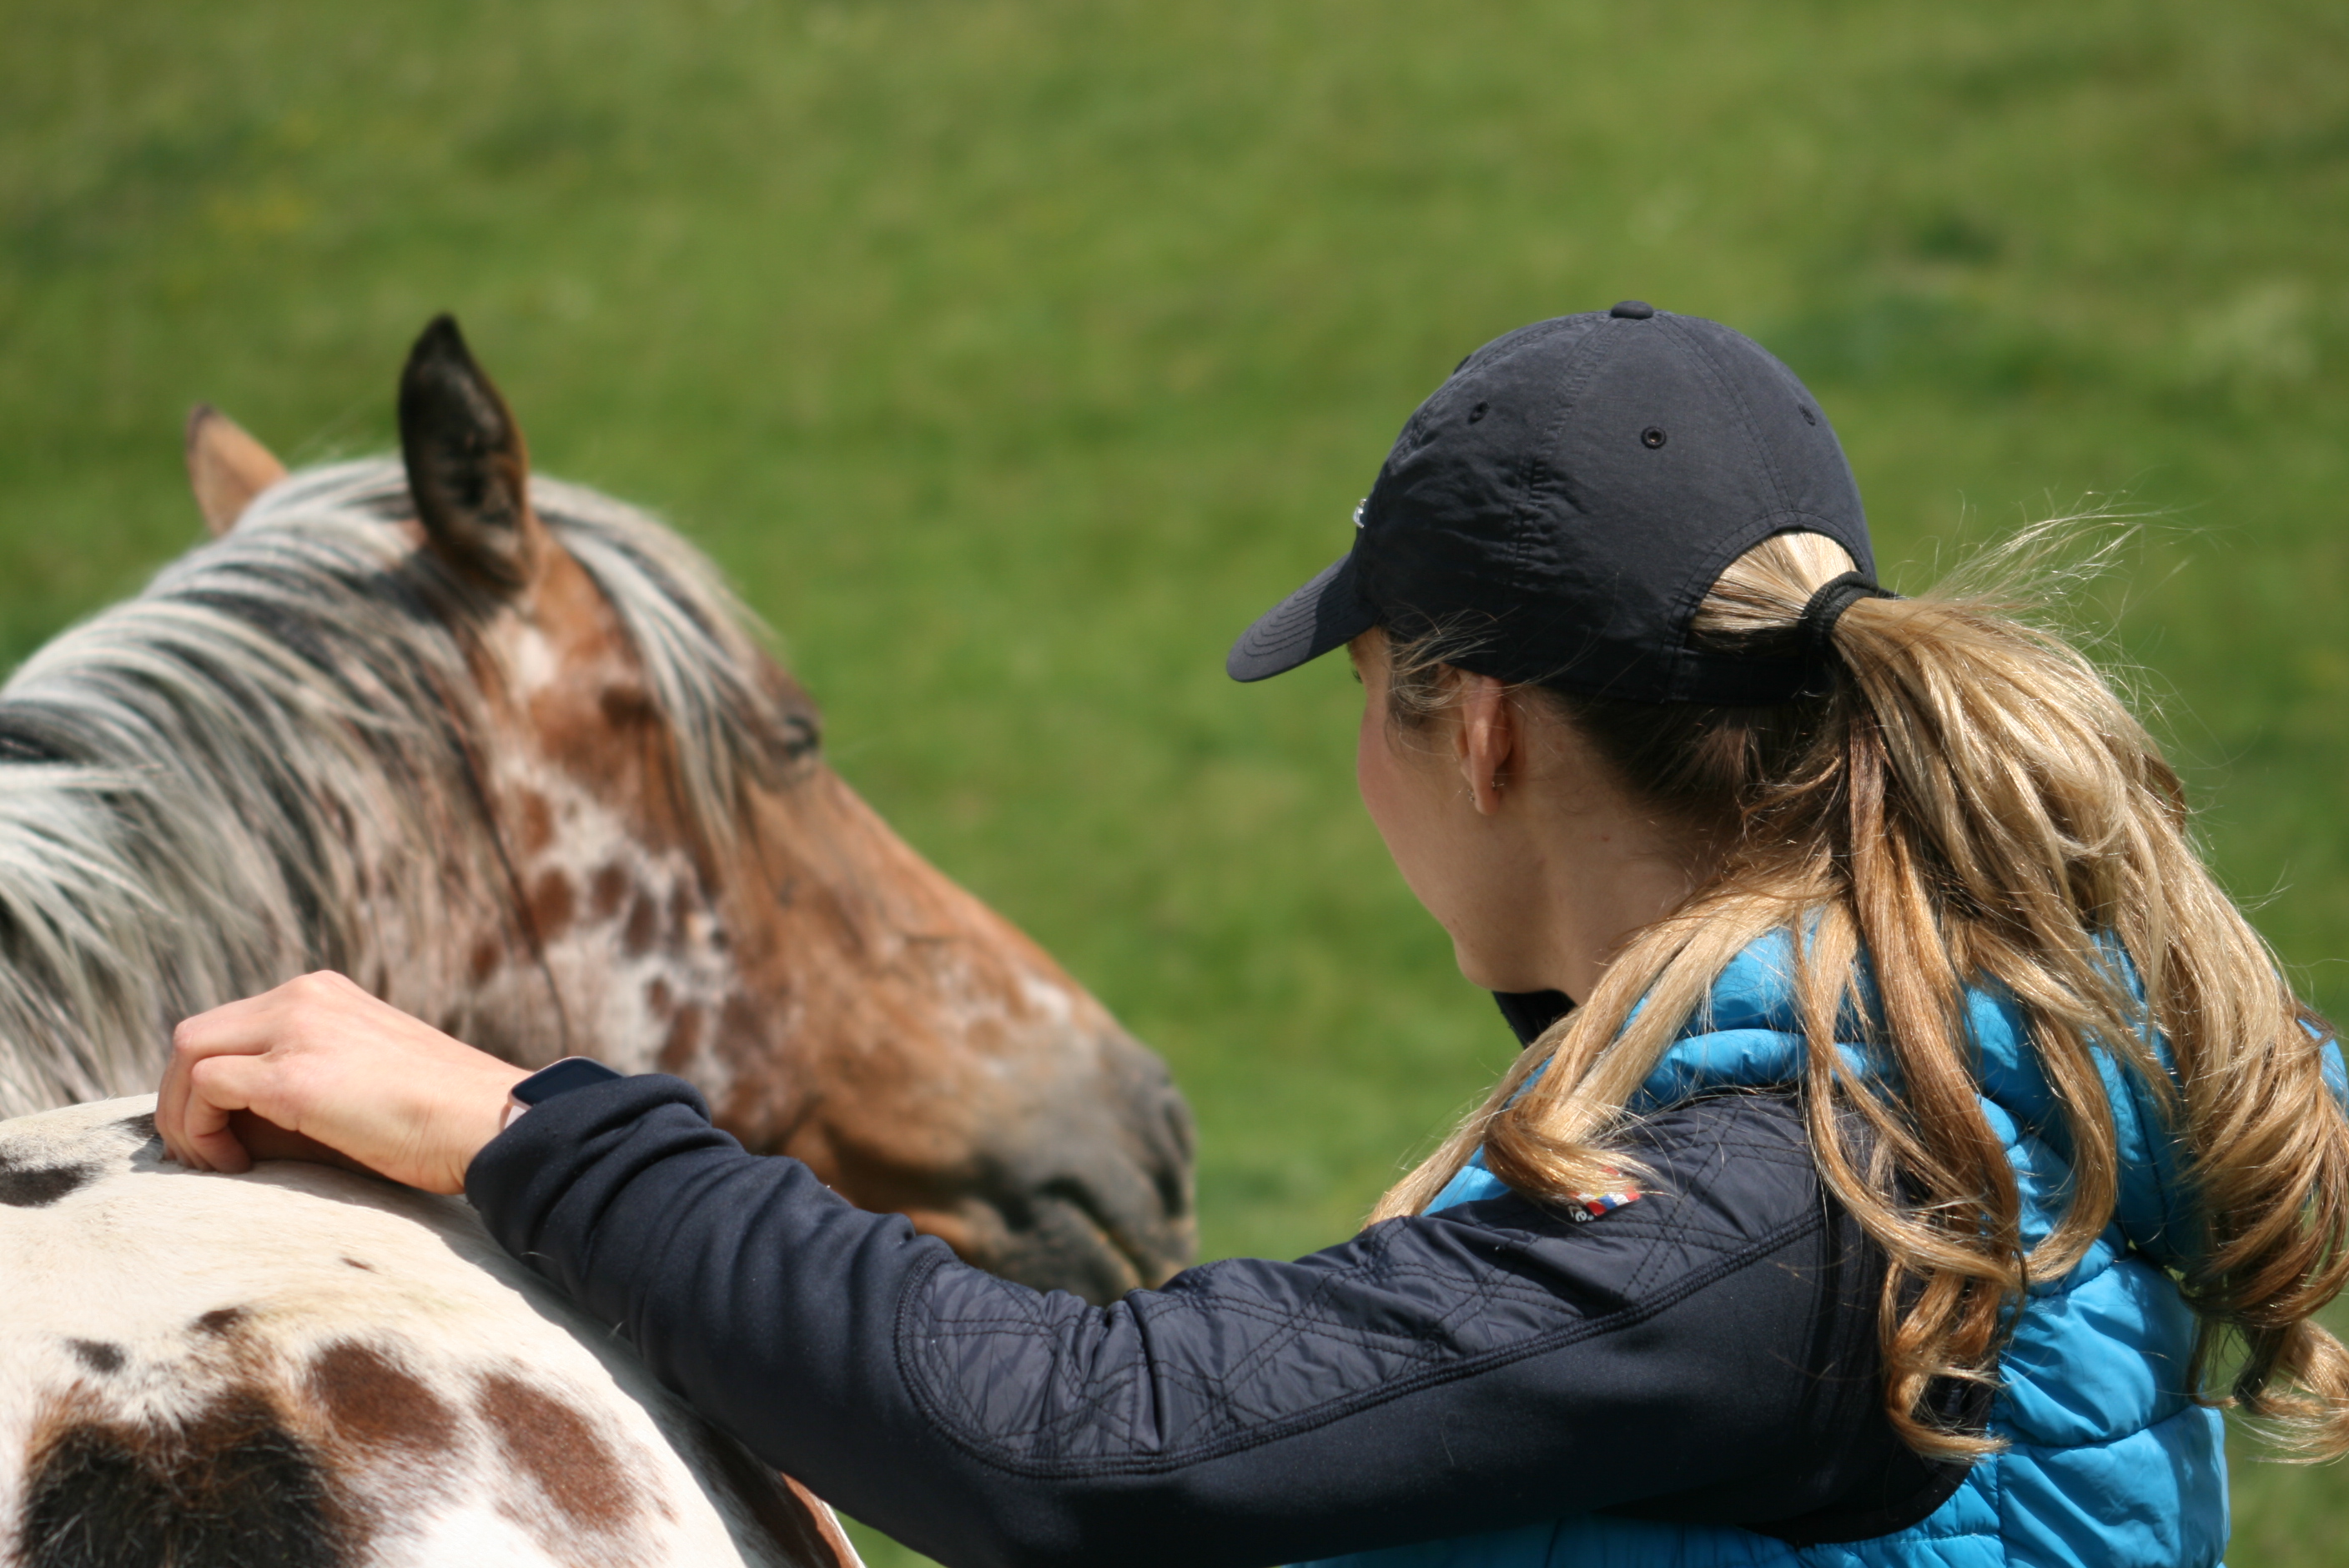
1012	353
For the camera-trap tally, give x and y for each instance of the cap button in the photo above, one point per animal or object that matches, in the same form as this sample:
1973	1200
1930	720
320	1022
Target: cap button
1633	310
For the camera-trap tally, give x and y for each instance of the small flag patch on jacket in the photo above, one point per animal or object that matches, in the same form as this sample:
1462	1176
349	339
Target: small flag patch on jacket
1588	1206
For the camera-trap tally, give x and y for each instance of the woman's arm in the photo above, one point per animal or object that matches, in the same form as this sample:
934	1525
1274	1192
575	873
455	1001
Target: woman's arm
1706	1351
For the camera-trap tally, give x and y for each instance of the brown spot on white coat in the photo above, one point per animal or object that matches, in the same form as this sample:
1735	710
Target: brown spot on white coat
580	1481
552	902
404	1415
374	1401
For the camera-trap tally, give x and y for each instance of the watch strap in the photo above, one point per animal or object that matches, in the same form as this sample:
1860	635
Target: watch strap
554	1079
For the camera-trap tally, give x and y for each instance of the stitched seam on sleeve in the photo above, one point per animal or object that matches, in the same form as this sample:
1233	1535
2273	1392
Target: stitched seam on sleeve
909	1295
996	1456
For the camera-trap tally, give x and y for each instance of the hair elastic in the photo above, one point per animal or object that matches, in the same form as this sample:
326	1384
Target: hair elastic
1825	607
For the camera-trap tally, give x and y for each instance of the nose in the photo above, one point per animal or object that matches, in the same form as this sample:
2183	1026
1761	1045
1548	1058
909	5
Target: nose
1095	1195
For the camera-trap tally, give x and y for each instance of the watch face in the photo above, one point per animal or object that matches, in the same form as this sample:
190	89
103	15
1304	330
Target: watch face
572	1072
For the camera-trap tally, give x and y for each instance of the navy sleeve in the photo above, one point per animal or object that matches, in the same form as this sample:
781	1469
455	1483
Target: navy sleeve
1705	1353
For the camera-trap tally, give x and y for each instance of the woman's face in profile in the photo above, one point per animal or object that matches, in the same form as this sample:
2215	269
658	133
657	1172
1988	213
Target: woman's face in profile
1413	786
1512	832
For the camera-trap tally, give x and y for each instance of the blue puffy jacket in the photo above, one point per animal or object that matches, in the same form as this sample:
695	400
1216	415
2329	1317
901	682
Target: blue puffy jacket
2109	1461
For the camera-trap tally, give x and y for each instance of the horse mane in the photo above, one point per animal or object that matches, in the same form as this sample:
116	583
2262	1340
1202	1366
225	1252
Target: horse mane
268	762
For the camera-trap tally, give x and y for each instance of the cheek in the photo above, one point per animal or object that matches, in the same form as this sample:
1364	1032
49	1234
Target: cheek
1396	795
1374	767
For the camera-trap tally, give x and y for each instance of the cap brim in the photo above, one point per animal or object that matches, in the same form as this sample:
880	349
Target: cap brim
1325	614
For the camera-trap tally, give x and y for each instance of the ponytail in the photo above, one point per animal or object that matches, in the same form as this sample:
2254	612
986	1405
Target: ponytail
1968	804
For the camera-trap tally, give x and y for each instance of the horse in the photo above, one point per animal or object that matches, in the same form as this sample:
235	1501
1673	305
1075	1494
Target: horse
508	753
345	1373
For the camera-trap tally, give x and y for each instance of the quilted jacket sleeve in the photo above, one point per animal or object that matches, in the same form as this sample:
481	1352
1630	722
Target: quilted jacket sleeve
1706	1352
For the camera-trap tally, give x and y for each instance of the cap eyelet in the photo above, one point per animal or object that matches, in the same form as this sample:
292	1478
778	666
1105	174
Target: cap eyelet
1810	416
1477	412
1652	436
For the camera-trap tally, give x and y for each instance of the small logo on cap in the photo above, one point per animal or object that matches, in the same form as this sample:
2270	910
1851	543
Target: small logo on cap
1358	511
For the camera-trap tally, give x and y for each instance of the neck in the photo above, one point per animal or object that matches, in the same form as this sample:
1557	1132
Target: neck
1600	876
1578	868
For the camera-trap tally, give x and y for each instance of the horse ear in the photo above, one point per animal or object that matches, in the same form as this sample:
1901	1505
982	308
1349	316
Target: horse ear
467	469
226	468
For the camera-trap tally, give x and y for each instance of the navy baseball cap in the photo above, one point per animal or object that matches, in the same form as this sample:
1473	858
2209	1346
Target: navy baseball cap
1567	497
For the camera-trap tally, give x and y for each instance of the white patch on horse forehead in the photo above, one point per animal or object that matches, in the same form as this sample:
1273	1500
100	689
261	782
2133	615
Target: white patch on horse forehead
531	662
147	1296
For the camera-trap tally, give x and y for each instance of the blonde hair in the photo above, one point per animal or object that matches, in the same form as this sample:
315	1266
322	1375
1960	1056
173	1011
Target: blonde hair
1971	804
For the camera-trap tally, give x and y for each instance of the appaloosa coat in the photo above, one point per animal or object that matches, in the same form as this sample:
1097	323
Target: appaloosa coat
302	1367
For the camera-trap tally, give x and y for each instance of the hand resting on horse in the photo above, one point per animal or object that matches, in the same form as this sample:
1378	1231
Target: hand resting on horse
319	1070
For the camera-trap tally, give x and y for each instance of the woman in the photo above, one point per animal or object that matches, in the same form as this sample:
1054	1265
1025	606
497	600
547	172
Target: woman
1906	1113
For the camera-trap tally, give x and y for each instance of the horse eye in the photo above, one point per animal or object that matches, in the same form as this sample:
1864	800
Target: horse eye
801	736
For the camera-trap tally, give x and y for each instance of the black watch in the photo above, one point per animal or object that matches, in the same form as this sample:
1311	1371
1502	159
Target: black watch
561	1077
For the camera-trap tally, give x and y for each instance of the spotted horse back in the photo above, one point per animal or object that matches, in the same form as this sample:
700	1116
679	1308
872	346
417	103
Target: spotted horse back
305	1368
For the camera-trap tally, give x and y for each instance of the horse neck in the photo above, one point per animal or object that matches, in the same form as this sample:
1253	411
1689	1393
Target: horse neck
263	766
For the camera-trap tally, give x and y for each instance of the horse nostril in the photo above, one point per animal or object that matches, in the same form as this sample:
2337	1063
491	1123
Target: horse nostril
1174	1176
1179	1125
1061	1238
1090	1183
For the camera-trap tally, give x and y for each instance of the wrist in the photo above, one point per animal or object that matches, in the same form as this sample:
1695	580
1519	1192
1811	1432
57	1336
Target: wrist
557	1078
477	1118
517	1091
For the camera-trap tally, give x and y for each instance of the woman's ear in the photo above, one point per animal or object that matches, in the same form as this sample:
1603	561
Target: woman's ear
1486	739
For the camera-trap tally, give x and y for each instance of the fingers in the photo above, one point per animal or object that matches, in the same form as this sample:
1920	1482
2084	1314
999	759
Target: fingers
191	1129
217	1088
320	1067
171	1107
266	1141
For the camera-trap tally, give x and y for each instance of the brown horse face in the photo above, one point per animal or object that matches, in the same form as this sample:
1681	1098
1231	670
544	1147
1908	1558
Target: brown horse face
832	994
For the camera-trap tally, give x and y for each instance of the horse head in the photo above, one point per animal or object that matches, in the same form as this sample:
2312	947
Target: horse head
678	881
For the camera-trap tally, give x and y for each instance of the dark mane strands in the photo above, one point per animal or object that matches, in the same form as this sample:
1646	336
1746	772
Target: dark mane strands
254	744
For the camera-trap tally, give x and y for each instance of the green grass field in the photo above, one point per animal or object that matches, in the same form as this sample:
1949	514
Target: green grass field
1012	353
